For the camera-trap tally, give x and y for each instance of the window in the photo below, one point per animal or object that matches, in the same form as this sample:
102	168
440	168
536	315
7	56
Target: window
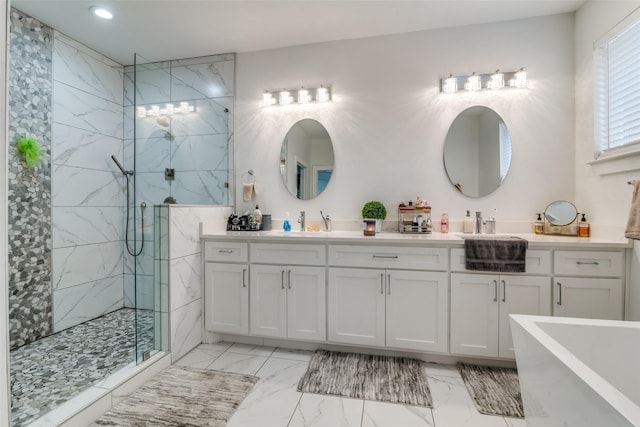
617	90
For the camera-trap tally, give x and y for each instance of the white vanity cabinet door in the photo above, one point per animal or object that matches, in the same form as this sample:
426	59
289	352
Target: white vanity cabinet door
588	298
269	300
356	306
521	295
417	310
474	314
227	298
306	303
480	309
288	302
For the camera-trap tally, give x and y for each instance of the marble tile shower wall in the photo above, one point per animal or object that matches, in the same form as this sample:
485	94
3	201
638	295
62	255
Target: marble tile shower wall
29	189
198	146
87	189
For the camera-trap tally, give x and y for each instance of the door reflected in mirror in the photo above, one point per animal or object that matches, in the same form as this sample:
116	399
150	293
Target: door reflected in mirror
477	151
306	159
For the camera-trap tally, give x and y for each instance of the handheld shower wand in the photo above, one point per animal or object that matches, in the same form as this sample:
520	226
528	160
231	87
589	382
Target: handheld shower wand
124	172
143	205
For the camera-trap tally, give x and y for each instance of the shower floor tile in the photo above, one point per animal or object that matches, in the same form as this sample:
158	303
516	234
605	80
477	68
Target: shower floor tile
48	372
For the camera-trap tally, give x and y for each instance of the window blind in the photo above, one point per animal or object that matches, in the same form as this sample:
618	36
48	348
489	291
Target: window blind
617	90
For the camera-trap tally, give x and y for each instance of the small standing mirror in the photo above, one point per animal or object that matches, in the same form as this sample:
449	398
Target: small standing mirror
306	159
477	151
560	213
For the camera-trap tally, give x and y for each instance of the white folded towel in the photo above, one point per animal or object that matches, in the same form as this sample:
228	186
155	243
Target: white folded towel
248	192
633	224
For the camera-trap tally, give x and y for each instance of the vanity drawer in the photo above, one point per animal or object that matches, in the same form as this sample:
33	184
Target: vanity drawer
589	263
288	254
538	261
226	251
410	258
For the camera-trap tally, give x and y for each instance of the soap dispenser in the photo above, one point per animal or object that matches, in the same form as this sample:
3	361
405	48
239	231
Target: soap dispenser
286	226
257	218
584	229
468	224
538	225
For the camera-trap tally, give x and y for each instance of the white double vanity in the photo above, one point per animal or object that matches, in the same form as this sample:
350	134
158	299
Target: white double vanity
400	292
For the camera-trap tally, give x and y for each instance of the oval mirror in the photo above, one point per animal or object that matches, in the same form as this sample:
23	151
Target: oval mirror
306	159
560	213
477	151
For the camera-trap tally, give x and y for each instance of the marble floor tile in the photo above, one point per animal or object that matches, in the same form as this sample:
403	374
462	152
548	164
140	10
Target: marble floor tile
238	363
199	358
453	407
254	350
380	414
315	410
285	353
219	346
274	399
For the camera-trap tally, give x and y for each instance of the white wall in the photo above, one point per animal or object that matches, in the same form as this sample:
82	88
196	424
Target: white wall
388	120
605	197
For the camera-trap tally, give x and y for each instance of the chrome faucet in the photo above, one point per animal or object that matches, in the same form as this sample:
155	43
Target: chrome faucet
302	221
478	222
327	221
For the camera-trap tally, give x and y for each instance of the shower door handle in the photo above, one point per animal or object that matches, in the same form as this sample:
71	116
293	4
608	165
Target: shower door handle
559	293
244	277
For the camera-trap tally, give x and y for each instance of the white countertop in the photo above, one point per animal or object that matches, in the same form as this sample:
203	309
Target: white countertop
453	239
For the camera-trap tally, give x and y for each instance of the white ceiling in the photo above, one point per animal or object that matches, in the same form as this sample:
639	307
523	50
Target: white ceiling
173	29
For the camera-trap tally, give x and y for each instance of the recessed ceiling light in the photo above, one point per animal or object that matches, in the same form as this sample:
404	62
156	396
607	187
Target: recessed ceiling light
101	12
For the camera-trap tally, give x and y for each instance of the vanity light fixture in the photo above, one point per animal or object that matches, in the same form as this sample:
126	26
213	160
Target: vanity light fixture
267	99
302	96
477	82
473	83
101	12
450	84
519	80
496	81
168	110
285	97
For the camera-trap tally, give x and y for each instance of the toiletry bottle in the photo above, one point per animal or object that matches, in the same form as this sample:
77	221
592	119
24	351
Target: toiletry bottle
444	223
468	224
257	218
584	228
538	225
286	226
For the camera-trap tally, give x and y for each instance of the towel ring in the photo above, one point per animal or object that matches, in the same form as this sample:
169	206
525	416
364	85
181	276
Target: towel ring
248	177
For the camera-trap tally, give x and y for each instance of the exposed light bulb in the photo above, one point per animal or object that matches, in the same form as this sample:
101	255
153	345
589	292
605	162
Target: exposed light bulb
450	84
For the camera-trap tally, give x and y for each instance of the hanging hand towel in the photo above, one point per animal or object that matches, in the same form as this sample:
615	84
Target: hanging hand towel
633	224
248	192
500	254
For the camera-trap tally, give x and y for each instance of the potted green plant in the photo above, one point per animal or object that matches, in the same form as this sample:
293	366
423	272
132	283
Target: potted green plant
374	210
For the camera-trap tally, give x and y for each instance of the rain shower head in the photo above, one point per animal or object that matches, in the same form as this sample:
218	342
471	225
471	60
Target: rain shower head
124	172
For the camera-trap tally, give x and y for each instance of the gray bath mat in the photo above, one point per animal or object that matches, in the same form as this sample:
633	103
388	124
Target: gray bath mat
363	376
180	396
494	391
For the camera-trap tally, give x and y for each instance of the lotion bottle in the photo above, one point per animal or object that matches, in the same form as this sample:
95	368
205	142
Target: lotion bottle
584	229
286	226
444	223
468	224
538	225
